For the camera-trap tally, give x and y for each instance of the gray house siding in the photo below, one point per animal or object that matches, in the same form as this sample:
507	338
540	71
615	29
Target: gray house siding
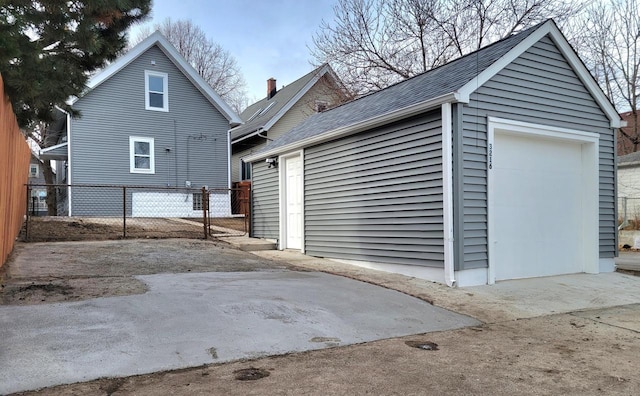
377	196
193	131
538	87
265	209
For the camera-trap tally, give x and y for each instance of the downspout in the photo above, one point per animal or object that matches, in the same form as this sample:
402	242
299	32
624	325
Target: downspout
69	179
447	195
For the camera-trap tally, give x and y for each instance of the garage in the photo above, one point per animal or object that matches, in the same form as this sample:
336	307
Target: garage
514	177
543	201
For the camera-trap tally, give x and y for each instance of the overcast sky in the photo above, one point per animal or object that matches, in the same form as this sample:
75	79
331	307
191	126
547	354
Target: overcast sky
267	38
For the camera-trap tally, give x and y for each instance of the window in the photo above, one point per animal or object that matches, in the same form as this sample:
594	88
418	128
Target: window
197	201
141	155
245	170
33	170
157	94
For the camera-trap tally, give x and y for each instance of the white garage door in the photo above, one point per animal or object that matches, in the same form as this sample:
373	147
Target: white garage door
537	206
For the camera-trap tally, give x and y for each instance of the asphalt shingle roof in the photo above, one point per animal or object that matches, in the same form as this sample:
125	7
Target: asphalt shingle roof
443	80
277	102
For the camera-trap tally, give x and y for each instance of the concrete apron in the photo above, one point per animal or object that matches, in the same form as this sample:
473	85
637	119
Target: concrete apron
187	320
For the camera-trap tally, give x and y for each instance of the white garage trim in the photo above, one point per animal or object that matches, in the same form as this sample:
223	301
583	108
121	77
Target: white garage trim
282	165
589	183
447	193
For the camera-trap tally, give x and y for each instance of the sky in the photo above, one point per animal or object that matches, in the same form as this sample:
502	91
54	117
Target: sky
267	38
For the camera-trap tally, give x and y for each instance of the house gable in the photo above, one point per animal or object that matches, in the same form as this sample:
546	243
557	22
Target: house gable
157	39
190	139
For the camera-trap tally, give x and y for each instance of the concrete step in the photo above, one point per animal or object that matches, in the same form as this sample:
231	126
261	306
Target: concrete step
253	247
250	244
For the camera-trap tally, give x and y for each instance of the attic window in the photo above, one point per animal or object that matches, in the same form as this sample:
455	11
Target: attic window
156	92
33	170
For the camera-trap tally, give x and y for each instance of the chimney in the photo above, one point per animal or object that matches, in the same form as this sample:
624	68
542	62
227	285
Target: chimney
271	88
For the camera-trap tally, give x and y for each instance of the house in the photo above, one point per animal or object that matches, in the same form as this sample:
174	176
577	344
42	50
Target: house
629	187
37	188
281	110
628	133
497	165
148	119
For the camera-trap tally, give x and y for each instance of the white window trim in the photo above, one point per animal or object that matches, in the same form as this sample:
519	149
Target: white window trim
165	93
242	167
37	173
132	159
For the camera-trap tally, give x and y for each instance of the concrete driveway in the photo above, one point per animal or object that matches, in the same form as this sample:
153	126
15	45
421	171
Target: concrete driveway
191	319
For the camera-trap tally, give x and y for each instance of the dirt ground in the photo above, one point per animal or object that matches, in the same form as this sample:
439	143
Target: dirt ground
56	229
39	273
582	353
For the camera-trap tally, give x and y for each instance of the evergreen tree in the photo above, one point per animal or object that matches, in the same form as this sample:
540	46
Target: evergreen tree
49	48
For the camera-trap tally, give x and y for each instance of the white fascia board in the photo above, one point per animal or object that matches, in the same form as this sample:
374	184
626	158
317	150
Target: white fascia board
197	80
359	126
44	150
570	55
178	60
247	136
296	98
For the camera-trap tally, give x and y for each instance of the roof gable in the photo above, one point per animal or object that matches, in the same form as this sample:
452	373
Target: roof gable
178	60
263	114
547	28
452	82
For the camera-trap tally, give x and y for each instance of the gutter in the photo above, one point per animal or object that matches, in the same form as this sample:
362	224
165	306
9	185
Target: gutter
359	126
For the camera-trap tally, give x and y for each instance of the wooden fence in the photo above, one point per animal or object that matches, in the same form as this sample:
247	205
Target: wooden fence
14	172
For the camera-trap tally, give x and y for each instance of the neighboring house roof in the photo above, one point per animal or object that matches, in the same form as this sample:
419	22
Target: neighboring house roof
181	63
262	115
626	146
452	82
57	152
629	159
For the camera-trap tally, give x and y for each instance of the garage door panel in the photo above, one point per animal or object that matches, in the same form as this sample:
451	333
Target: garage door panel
537	207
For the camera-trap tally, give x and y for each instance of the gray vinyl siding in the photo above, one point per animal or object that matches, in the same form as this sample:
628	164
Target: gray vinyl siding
193	130
265	201
538	87
377	196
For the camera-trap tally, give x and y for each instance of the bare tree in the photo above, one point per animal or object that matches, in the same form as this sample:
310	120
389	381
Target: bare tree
373	43
610	47
215	64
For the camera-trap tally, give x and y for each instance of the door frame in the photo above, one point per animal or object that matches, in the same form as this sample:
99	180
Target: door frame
590	184
282	174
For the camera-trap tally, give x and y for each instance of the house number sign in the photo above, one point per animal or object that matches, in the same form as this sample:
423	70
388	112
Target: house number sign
490	156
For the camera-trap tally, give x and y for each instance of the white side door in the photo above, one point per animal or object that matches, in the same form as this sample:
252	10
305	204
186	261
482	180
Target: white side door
293	202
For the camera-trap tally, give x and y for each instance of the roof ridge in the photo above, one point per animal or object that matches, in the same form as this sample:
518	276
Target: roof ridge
532	28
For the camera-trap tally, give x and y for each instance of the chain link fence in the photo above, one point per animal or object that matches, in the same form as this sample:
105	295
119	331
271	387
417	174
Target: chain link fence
98	212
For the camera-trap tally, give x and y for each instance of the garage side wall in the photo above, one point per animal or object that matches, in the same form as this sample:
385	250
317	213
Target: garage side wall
538	87
265	203
377	196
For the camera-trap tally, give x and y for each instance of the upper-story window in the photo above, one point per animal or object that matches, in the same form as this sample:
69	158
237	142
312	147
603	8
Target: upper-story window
141	155
33	170
156	91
